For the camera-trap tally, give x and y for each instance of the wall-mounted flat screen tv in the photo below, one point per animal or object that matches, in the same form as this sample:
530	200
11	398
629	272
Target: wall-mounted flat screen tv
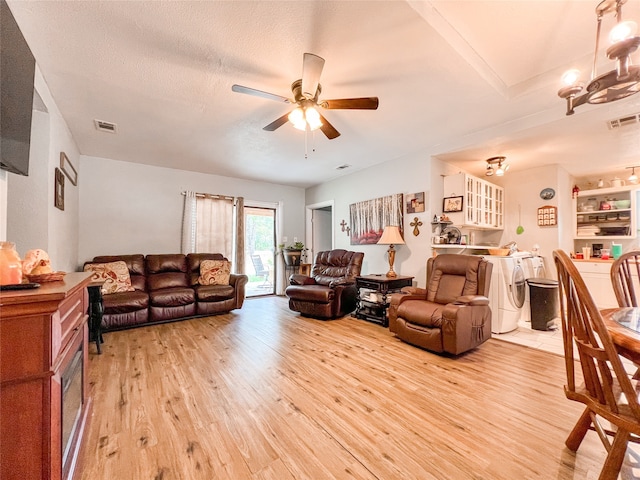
17	69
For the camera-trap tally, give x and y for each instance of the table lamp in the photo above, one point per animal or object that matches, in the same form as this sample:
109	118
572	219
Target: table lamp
391	236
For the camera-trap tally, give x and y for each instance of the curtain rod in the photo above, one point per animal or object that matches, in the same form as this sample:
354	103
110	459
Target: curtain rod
211	195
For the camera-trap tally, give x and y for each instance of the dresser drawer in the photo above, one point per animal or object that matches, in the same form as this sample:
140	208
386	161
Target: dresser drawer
72	311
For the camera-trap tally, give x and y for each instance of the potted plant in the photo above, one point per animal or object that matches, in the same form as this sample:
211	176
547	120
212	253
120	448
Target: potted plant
292	254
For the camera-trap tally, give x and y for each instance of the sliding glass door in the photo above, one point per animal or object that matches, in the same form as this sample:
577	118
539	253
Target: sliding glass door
260	249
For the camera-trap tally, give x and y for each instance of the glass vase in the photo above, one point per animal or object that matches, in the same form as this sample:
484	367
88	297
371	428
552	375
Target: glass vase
10	264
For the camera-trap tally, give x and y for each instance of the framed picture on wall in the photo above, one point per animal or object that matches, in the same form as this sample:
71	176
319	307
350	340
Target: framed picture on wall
67	167
452	204
415	202
58	199
369	217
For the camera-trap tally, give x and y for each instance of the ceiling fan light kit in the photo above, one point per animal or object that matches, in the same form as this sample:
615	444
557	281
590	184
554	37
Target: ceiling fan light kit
616	84
305	95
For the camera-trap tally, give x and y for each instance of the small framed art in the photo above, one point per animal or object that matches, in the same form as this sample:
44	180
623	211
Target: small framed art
415	202
67	167
58	200
452	204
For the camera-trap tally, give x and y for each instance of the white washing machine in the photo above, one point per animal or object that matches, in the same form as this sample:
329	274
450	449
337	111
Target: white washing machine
533	268
507	294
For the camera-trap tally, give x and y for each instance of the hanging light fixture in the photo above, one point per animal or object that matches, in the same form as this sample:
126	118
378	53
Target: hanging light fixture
633	178
497	166
300	117
616	84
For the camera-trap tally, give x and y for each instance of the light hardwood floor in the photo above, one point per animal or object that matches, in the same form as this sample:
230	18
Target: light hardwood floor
263	393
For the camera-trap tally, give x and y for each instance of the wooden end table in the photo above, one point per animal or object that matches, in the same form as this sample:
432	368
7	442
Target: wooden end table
372	296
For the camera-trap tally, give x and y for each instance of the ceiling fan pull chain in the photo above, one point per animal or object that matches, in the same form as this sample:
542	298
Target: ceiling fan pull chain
306	132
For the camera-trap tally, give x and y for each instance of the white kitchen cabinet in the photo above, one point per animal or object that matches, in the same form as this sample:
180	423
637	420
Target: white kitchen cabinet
482	205
598	217
596	276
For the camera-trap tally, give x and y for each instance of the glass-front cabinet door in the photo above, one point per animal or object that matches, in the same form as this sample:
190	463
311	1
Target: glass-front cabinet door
487	210
498	207
483	202
469	201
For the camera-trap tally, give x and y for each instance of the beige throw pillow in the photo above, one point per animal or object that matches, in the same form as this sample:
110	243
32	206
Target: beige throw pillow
214	272
115	276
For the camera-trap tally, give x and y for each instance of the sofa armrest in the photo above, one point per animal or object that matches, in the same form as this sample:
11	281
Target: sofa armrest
395	299
465	326
471	300
345	281
298	279
415	291
238	282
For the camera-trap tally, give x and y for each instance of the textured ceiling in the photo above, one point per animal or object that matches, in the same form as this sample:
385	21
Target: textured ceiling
464	80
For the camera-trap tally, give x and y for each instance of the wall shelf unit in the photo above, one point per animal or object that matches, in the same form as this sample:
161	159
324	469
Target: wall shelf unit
597	216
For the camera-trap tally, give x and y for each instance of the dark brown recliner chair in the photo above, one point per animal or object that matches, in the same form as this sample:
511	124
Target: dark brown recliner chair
452	314
330	291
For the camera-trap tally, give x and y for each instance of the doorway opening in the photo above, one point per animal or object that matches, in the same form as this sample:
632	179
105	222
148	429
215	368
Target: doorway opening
319	228
260	250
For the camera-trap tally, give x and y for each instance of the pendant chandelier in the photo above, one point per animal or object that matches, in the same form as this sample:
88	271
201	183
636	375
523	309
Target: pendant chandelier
616	84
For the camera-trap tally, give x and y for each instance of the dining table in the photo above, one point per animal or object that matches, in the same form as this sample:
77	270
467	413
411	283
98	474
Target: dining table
624	326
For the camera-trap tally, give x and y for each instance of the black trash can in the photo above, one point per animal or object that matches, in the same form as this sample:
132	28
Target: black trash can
543	295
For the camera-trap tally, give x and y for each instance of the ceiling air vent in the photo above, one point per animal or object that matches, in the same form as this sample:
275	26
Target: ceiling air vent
624	121
343	166
105	126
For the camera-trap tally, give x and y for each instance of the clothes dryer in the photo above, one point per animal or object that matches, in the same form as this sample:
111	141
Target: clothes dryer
507	294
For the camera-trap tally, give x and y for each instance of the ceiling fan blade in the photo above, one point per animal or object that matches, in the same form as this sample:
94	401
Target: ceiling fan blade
328	129
277	123
259	93
365	103
312	66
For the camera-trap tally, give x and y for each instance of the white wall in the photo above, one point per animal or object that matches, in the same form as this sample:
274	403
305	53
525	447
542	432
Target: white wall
410	174
31	219
129	208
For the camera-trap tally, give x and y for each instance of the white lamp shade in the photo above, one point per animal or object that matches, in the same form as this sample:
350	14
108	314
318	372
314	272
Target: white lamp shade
391	236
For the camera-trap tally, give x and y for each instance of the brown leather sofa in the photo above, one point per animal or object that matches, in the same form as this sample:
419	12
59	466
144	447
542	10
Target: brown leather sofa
166	288
452	314
330	290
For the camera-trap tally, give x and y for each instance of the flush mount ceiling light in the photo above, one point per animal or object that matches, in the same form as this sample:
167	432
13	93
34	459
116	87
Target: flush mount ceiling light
497	166
633	178
619	83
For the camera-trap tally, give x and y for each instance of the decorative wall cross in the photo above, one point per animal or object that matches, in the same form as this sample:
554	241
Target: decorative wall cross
415	224
343	224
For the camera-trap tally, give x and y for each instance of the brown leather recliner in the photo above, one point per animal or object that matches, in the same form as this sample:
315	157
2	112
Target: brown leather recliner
452	314
330	291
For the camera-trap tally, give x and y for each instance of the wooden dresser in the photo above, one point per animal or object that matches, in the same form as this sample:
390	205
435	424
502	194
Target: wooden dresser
44	404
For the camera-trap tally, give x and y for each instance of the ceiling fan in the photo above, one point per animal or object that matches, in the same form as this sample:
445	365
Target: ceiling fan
305	95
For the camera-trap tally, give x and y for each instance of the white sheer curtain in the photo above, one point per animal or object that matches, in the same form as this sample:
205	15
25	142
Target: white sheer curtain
238	263
188	243
214	225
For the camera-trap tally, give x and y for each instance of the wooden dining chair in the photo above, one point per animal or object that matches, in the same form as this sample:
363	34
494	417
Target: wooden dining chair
625	278
607	392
